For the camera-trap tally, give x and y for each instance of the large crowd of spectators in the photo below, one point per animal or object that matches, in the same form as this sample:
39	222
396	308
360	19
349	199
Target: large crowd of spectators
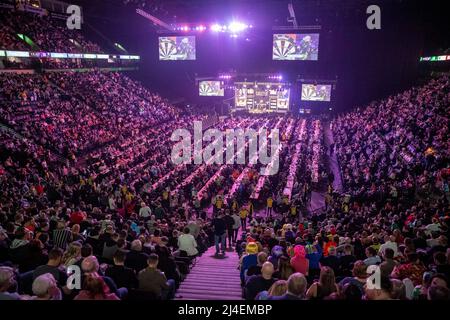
47	33
386	236
87	183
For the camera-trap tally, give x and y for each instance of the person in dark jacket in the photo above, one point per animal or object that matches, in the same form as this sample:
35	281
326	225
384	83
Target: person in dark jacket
136	259
19	251
122	276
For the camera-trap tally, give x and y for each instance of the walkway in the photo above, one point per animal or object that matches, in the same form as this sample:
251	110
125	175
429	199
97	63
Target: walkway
317	201
332	159
212	279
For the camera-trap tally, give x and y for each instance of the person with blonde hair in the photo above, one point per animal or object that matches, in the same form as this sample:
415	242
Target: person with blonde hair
279	288
72	255
296	288
249	259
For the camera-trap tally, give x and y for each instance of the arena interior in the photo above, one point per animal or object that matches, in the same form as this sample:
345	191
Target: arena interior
224	150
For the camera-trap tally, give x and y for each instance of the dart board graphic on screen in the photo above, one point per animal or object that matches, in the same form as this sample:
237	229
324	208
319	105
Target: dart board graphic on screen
312	92
177	48
295	46
211	88
283	46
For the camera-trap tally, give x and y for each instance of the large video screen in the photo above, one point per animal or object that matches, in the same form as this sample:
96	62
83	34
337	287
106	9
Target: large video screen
211	88
295	46
177	48
316	92
262	97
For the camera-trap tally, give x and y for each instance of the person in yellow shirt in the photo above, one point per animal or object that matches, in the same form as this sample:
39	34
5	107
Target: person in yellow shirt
129	197
250	210
219	203
243	214
269	206
293	210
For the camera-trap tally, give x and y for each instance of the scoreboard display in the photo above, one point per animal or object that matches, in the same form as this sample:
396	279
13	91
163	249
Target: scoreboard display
262	97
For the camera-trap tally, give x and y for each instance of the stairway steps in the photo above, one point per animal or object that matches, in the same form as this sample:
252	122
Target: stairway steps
212	279
209	291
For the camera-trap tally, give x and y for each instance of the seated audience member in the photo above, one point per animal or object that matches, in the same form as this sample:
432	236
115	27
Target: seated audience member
256	270
153	280
53	267
389	263
359	278
110	247
441	264
331	260
256	284
346	261
438	293
123	276
279	288
187	243
325	286
8	284
383	292
389	243
398	290
90	266
296	288
412	270
372	257
45	288
19	251
62	235
439	280
72	254
136	259
95	288
352	292
167	263
438	289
